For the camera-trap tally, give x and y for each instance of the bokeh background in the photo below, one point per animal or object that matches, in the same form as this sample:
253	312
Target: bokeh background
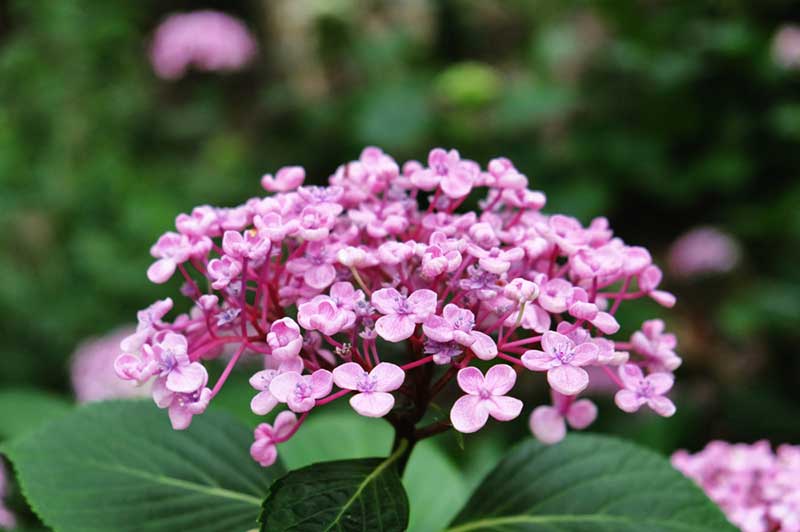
662	116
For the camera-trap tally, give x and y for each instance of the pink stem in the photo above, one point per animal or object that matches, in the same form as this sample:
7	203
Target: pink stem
417	363
332	397
227	371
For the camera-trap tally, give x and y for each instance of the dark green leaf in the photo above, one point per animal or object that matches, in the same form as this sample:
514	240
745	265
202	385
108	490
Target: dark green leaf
588	483
119	466
344	496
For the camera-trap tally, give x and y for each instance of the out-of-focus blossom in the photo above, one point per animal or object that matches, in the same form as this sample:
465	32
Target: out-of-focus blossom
757	489
206	40
92	370
786	46
703	250
7	519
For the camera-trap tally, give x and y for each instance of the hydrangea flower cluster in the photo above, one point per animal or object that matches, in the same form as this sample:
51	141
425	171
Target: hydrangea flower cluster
382	287
757	489
207	40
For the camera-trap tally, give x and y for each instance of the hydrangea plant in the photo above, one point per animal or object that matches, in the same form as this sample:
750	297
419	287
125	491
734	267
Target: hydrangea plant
421	294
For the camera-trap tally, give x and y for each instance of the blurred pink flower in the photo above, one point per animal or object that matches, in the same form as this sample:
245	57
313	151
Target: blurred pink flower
93	375
786	46
7	519
207	40
703	250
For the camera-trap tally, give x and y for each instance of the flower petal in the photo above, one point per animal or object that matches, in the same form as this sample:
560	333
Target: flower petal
568	380
264	452
630	375
554	342
470	379
484	346
423	303
284	423
161	270
661	405
347	375
320	277
628	401
263	403
581	414
660	382
500	379
386	300
394	328
436	328
388	376
373	404
536	360
547	425
283	385
187	379
321	383
585	353
468	414
504	408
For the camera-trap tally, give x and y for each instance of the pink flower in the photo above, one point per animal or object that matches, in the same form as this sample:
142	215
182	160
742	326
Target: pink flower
640	390
286	179
485	397
786	46
250	245
207	40
373	399
554	296
562	361
316	266
703	250
401	313
446	169
263	402
658	346
549	423
457	324
284	339
92	369
495	260
264	450
649	279
324	315
179	374
7	518
223	270
170	250
346	296
182	406
300	392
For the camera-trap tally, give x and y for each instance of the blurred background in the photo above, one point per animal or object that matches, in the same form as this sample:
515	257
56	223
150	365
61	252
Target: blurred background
666	117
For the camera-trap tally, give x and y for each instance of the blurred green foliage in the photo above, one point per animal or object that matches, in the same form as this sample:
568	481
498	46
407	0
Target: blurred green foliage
659	115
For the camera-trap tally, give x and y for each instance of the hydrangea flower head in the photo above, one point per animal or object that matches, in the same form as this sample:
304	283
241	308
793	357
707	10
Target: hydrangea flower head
400	291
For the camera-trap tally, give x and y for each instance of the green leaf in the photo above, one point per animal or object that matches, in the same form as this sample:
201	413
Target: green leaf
436	488
24	409
119	466
588	483
344	496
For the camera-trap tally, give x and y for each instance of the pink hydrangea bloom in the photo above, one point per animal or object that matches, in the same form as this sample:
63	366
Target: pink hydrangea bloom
486	396
384	262
263	402
457	325
264	448
92	369
400	313
206	40
640	390
786	46
300	392
7	519
373	398
757	489
562	360
703	250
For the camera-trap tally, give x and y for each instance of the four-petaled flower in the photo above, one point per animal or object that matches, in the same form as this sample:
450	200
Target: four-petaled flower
485	397
174	366
562	360
324	315
457	324
264	450
300	392
284	339
640	390
401	313
182	406
263	402
373	399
